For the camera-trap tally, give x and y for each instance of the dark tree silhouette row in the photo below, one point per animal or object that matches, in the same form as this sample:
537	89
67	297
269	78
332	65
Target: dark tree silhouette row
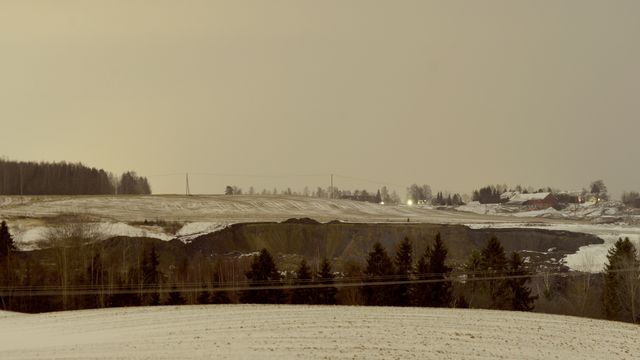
82	273
31	178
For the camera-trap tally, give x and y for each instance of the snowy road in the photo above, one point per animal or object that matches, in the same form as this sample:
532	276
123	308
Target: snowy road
311	332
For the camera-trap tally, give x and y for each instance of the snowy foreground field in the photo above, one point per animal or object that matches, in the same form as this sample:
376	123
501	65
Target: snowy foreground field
311	332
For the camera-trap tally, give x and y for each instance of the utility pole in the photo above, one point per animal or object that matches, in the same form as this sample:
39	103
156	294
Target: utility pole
331	188
20	170
188	192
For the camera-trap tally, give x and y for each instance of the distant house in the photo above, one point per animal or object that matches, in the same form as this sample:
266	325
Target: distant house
537	200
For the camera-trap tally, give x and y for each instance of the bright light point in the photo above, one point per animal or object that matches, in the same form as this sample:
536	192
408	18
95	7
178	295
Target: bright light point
381	202
409	202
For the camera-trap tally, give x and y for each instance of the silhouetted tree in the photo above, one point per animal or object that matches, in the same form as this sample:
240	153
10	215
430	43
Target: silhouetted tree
599	189
175	298
379	269
325	295
7	244
521	299
493	263
404	269
263	273
31	178
131	183
631	198
621	283
378	197
303	277
220	297
204	297
432	266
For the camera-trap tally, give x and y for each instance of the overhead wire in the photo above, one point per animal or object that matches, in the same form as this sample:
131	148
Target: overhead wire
247	285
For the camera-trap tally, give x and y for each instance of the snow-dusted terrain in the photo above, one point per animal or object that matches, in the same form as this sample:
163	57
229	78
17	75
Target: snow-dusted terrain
590	258
32	217
222	208
311	332
592	211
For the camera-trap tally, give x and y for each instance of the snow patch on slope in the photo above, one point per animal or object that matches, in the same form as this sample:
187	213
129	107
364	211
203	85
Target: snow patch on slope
193	230
590	258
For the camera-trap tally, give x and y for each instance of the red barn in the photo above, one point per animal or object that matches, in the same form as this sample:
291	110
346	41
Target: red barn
537	200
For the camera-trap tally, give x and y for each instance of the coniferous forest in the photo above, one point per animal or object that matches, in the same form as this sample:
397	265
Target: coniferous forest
76	272
42	178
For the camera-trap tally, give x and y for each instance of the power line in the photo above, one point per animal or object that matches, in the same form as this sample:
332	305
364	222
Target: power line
271	285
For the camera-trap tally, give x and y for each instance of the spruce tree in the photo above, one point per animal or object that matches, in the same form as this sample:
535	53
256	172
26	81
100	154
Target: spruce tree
421	293
432	266
472	268
521	299
263	273
493	263
303	277
175	298
440	290
204	297
404	268
621	297
325	295
220	297
6	241
379	269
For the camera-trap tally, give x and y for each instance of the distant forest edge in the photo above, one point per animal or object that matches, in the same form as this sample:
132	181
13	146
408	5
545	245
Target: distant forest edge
61	178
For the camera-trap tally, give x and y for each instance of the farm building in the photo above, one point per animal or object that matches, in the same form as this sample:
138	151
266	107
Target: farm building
537	200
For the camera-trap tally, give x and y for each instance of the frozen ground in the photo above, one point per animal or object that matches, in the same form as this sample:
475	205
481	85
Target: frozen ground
30	217
609	211
590	258
311	332
222	208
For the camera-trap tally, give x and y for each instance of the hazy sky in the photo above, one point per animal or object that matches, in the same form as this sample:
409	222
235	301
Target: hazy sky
455	94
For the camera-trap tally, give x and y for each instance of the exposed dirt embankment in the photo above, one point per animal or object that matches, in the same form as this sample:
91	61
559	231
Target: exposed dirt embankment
352	241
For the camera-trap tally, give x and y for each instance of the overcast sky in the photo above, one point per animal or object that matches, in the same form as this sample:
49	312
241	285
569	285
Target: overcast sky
455	94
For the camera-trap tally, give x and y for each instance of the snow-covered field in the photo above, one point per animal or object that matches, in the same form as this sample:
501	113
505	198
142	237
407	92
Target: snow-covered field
32	216
595	212
222	208
311	332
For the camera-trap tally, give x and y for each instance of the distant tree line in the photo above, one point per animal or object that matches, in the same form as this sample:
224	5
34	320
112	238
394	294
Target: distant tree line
491	194
631	198
448	200
423	194
381	195
31	178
